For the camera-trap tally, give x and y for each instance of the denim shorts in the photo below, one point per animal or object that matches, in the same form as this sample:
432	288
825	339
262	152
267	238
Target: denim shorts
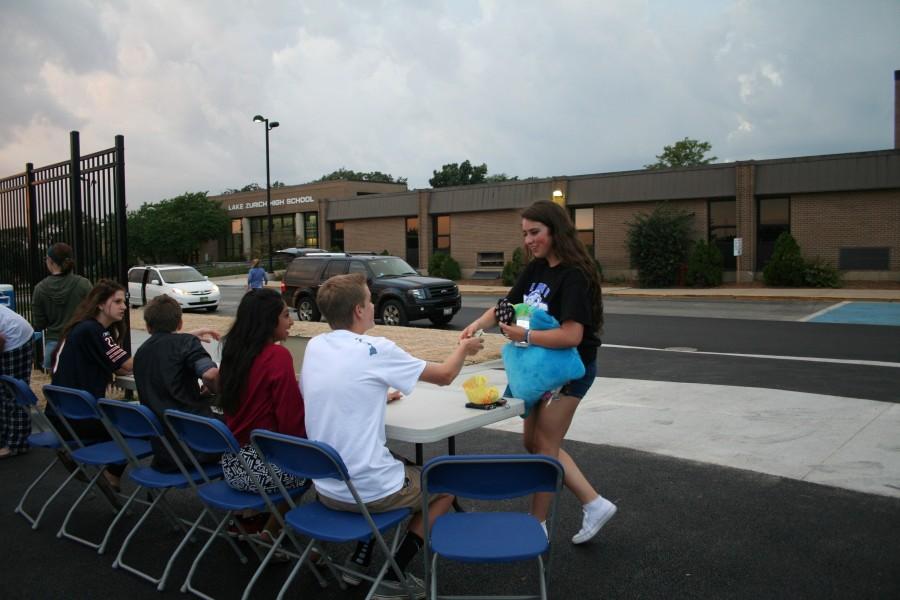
577	388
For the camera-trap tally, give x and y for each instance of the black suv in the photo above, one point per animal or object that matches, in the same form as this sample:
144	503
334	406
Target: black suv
399	293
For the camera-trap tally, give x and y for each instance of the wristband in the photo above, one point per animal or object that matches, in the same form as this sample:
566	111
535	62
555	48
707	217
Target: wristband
527	337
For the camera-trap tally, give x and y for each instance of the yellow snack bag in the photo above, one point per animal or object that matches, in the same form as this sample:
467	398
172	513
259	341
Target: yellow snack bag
478	392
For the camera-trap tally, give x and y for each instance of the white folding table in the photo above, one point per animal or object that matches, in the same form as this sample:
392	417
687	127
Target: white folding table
431	414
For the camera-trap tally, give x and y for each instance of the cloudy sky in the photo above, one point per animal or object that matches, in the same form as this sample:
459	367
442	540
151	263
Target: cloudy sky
532	88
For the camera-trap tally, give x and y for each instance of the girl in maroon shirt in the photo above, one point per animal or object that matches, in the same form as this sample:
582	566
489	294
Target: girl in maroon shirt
258	387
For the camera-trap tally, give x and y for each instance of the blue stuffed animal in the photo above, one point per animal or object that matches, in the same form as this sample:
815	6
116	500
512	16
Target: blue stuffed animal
533	370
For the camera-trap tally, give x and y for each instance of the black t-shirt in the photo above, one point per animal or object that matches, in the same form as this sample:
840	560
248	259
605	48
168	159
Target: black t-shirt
166	369
564	292
87	358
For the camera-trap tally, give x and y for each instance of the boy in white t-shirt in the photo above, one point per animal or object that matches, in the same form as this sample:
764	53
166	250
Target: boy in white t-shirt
345	380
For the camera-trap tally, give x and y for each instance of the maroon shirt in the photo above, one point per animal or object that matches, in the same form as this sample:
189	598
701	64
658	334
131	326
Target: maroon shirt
271	399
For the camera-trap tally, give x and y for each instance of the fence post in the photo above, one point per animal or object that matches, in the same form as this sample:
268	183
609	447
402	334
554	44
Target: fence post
75	199
34	270
122	233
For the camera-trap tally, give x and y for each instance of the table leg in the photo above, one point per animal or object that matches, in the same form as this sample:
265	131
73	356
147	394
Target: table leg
451	445
420	455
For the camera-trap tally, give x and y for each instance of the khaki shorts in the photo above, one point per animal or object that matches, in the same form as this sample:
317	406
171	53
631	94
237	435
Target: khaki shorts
409	496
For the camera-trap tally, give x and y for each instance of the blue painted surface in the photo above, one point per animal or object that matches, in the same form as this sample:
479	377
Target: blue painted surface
863	313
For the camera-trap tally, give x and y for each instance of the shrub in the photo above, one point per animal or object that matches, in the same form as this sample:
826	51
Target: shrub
786	267
658	244
444	265
705	265
512	269
819	273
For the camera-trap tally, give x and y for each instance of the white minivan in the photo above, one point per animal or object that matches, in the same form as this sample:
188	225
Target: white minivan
181	282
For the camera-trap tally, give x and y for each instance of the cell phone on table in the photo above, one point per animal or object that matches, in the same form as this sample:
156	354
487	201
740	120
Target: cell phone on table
489	406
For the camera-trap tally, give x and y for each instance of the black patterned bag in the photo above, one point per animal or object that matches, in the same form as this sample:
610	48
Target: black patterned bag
505	312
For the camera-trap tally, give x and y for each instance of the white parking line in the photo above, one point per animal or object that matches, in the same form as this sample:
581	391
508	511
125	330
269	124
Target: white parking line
841	361
824	310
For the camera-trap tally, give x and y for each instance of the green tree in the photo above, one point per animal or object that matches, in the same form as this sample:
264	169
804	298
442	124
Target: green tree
374	176
174	228
459	174
658	244
684	153
512	269
705	265
499	177
786	267
250	187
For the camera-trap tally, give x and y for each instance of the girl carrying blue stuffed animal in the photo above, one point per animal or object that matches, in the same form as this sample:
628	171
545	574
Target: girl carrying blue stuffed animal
552	362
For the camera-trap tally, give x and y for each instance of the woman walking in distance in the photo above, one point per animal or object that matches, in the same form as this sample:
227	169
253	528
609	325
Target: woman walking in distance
562	279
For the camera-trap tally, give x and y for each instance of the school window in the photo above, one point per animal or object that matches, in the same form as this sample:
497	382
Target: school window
412	241
773	219
584	226
231	246
723	229
441	228
310	230
337	236
490	259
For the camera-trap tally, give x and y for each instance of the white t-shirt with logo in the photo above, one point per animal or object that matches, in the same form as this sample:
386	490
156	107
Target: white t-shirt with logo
344	381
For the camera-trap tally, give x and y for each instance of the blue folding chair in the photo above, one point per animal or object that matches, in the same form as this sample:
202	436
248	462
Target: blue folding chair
137	421
489	537
48	438
198	434
317	460
71	404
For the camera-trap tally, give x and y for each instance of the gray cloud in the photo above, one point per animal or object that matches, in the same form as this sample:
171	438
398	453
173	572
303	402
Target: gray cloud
530	88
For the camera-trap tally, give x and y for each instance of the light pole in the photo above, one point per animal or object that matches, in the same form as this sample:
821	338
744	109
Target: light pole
269	127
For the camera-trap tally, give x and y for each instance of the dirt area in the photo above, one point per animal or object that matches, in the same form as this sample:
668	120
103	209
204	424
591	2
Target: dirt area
429	344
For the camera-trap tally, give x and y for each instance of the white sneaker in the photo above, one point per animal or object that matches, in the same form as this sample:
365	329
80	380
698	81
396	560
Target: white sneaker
394	590
594	519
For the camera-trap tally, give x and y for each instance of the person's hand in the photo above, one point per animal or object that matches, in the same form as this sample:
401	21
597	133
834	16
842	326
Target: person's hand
470	331
394	395
205	334
472	345
513	332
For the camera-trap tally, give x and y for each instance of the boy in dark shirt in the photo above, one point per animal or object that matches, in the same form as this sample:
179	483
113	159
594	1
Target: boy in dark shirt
166	369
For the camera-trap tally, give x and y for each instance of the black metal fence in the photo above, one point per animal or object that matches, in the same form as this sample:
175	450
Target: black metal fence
80	201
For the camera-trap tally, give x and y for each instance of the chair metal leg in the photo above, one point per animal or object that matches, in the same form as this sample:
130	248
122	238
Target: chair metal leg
63	530
295	570
20	508
187	586
160	581
116	520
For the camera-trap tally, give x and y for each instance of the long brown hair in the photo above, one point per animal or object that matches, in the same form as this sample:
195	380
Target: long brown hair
252	330
90	308
570	250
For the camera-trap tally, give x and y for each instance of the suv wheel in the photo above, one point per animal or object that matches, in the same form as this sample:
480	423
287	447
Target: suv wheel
393	313
307	309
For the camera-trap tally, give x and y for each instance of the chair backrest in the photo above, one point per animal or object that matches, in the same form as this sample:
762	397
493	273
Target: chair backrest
24	396
492	477
71	403
132	420
300	457
201	434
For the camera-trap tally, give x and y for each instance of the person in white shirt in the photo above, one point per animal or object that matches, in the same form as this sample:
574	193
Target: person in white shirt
16	336
345	380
